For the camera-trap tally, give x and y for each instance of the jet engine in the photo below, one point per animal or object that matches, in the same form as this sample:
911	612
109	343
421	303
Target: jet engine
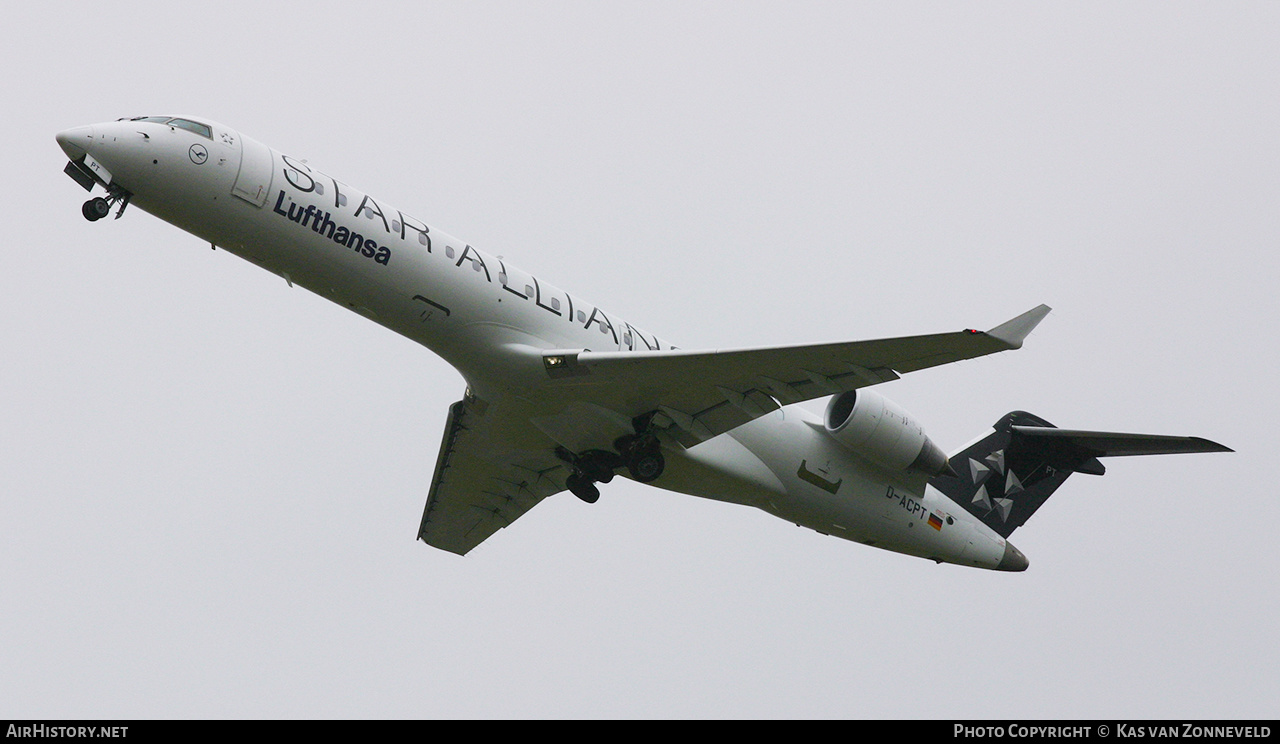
880	431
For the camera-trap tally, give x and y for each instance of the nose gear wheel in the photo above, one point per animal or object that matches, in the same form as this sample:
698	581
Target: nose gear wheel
95	209
99	207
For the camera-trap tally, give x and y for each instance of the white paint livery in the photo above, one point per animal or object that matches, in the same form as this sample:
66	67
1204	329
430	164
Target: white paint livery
561	394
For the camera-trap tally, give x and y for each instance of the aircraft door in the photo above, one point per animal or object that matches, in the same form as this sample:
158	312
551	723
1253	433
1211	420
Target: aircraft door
253	182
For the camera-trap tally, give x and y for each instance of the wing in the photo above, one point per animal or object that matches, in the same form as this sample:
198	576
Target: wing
493	467
701	394
498	458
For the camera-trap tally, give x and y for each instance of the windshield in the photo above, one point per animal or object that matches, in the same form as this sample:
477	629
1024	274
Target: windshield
204	130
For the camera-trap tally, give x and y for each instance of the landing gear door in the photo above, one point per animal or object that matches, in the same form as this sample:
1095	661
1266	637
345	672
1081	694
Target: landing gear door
253	182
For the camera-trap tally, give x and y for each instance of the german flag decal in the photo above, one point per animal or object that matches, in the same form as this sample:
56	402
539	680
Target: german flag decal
935	521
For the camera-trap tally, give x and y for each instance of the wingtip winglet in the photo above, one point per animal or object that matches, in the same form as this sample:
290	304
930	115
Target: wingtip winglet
1013	332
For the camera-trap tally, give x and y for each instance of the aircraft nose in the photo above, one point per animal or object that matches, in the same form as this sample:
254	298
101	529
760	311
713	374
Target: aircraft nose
75	141
1013	559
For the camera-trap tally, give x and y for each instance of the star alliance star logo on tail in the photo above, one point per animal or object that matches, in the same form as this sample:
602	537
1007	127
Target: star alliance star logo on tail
991	471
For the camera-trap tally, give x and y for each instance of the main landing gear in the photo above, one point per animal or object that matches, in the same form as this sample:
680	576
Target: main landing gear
639	453
99	207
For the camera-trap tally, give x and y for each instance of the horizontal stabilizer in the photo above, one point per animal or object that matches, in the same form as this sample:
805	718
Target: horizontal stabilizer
1004	477
1114	444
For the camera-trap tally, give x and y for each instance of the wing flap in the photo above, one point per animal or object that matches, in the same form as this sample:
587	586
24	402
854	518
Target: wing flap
485	478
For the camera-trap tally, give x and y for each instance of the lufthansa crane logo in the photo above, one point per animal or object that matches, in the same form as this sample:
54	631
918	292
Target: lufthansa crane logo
198	154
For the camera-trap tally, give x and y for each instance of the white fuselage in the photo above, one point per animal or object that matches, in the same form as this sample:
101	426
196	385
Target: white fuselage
491	320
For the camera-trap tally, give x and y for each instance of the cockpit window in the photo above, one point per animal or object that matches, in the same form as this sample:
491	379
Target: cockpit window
204	130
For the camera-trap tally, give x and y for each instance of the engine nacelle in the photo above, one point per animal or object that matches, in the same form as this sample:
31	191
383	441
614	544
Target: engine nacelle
879	430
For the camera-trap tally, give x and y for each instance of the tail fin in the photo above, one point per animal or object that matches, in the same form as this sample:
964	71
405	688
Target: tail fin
1004	477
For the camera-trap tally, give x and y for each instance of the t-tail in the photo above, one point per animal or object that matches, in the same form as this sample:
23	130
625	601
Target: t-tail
1004	477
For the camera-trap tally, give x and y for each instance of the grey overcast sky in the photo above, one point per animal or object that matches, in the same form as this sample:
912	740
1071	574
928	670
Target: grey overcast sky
210	483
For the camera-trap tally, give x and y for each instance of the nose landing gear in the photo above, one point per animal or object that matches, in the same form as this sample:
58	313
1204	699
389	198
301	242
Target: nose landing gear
95	209
99	207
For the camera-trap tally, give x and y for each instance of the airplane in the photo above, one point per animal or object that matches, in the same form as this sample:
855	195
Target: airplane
562	395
